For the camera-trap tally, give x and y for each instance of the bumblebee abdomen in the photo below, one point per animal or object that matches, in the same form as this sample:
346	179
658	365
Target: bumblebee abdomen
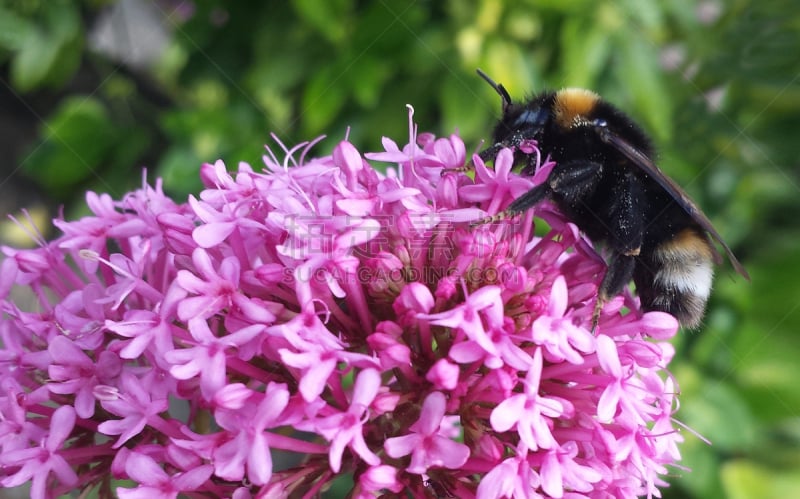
676	276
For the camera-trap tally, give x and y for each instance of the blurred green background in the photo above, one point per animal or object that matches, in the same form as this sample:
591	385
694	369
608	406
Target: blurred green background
92	91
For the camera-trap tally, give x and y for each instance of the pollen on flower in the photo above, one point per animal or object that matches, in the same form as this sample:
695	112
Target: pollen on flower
321	316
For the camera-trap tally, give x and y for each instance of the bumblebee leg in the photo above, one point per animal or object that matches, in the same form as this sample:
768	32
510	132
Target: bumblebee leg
486	155
468	167
460	169
575	180
618	274
527	200
571	180
530	198
490	152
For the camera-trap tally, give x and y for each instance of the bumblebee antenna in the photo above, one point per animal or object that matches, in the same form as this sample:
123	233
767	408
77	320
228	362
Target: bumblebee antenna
498	87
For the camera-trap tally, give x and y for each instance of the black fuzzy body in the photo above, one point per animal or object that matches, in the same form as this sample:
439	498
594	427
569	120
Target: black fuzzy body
606	182
620	181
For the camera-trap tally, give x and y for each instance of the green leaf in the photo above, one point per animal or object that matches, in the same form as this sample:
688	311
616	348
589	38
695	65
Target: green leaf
465	108
323	98
329	17
716	410
766	346
14	29
76	140
585	52
638	70
702	477
744	479
30	66
566	6
179	181
508	64
367	79
50	52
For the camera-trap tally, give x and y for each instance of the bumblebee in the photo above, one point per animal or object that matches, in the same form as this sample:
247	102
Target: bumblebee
606	182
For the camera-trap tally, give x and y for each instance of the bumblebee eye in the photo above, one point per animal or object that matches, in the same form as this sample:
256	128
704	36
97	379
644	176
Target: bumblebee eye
531	117
600	123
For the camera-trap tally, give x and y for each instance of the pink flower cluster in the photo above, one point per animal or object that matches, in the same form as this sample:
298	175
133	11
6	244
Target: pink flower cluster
320	319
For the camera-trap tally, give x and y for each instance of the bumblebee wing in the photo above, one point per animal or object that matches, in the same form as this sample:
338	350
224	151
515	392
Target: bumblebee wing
673	189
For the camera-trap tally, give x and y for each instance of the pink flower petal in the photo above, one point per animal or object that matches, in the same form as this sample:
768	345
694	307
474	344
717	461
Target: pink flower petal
507	413
397	447
431	415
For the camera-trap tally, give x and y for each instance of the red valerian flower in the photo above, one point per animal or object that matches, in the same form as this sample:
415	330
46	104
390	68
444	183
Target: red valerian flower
427	447
320	317
35	464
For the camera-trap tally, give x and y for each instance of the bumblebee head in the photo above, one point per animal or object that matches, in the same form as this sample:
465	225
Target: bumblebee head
547	117
519	122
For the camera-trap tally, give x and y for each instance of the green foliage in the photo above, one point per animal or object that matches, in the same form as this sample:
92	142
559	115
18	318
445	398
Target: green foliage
47	44
714	81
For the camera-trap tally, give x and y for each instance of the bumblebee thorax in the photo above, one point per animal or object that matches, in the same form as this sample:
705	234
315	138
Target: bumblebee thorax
572	107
